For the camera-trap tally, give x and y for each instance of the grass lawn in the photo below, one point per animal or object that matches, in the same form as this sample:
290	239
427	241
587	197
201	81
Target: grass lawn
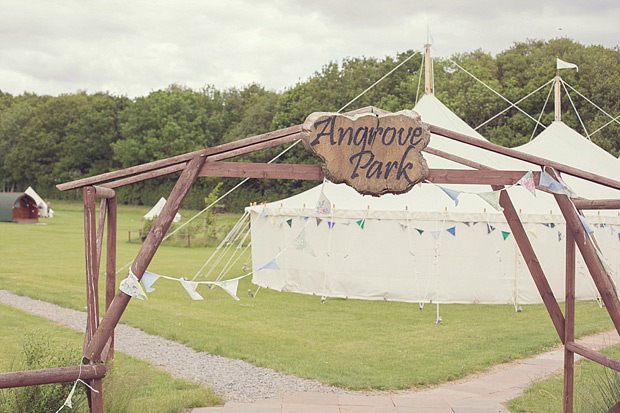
157	391
350	343
592	381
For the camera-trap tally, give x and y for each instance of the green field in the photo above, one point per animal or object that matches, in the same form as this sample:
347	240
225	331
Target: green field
596	389
158	391
351	343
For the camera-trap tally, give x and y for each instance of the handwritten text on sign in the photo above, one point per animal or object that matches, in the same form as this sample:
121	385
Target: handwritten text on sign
373	154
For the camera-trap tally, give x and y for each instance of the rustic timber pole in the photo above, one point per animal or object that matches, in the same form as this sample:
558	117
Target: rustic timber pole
103	208
569	325
599	275
144	257
557	103
428	75
90	251
110	269
53	375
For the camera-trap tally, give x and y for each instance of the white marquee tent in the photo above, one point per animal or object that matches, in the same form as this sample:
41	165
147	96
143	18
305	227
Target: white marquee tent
156	210
419	246
44	210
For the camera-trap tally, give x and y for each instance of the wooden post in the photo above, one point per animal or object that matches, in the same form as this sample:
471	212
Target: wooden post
569	324
103	207
599	275
144	257
110	270
557	102
428	75
52	375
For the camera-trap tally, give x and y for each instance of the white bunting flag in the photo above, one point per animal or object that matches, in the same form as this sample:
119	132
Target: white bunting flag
492	198
131	286
190	287
561	64
527	181
230	286
454	195
300	243
323	205
148	278
271	265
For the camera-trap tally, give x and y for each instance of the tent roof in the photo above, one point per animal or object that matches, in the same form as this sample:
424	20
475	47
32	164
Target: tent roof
7	200
156	210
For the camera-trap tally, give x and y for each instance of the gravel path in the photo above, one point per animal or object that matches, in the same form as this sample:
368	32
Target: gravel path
235	380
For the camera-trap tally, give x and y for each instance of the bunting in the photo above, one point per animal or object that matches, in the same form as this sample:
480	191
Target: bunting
585	224
361	223
230	286
271	265
435	234
546	181
490	228
420	231
318	221
560	236
323	205
190	287
527	181
403	226
290	223
454	195
467	223
330	224
131	286
148	278
505	234
492	198
452	231
300	243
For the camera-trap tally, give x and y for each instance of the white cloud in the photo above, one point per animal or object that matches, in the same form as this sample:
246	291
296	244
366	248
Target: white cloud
133	47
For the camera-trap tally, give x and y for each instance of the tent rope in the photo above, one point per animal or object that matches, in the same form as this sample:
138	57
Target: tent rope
576	112
593	104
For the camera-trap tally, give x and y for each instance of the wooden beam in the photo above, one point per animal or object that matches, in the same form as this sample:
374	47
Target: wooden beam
569	325
601	279
53	375
524	156
145	255
138	169
476	177
615	408
581	203
103	192
254	147
110	270
145	176
594	356
261	170
456	158
531	260
92	273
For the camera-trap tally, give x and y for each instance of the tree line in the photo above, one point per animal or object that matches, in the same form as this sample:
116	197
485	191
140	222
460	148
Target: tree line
46	140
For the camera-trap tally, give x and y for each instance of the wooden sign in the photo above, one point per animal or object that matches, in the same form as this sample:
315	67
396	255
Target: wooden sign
373	154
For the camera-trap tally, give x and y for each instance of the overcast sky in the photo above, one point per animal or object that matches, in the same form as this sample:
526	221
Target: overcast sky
131	47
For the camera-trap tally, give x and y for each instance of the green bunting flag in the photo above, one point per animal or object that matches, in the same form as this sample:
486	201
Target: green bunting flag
361	223
420	231
505	234
290	223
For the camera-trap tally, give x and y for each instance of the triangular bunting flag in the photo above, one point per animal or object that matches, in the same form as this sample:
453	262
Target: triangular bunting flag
420	231
190	287
435	234
586	226
230	286
527	181
552	225
560	236
452	231
148	279
454	195
330	224
361	223
301	243
546	181
505	234
323	205
271	265
490	228
131	286
290	223
492	198
534	234
467	223
263	213
318	221
403	226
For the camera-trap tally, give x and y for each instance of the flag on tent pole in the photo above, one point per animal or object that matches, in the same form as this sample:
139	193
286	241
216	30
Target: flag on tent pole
454	195
131	286
271	265
148	278
561	64
190	287
230	286
527	181
492	198
452	231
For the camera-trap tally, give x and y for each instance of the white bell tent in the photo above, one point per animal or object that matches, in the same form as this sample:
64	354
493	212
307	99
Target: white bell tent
156	210
44	210
418	246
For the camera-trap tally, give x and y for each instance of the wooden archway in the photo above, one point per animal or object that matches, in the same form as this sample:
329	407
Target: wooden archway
99	336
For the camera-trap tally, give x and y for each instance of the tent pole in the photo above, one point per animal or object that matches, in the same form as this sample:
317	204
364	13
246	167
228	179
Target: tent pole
557	102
